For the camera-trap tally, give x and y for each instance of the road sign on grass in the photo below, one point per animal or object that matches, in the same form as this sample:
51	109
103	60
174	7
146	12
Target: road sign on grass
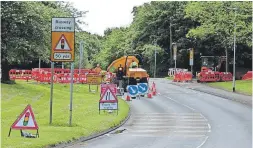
25	121
108	100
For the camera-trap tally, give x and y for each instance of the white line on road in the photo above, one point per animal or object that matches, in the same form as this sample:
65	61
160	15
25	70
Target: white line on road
209	126
169	127
203	142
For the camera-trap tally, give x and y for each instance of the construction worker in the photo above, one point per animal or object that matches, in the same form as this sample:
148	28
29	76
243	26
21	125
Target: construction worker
98	69
133	64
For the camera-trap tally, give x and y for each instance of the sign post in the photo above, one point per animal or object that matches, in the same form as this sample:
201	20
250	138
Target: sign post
175	55
191	59
51	94
71	94
63	50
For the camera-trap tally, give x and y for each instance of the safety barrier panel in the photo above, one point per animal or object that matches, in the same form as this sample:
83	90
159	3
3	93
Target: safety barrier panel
20	74
226	76
212	76
182	77
172	71
247	76
43	75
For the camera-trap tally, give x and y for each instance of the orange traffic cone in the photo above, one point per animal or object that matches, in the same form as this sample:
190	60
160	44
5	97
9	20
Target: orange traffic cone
149	93
154	92
128	98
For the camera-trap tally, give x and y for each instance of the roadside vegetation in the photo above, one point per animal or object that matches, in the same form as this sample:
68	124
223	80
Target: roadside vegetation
86	119
241	86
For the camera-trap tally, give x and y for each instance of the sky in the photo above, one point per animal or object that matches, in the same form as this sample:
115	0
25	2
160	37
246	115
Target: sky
106	13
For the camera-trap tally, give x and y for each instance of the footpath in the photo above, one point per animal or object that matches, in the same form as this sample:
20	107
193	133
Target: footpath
245	99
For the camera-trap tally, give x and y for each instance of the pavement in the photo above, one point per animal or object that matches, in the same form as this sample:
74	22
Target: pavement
245	99
179	117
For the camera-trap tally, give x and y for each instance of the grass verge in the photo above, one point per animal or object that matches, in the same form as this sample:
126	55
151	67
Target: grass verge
169	78
85	117
241	86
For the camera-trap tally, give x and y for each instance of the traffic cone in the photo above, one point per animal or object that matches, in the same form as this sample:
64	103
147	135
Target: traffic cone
128	98
154	92
149	93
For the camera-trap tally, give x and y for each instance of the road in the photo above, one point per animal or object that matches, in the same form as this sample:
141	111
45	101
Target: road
181	118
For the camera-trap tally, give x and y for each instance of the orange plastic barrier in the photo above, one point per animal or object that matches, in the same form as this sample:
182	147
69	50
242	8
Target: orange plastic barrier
247	76
20	74
188	76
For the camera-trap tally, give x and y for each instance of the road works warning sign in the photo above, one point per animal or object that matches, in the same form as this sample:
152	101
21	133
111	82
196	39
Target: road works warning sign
26	120
94	79
63	40
108	100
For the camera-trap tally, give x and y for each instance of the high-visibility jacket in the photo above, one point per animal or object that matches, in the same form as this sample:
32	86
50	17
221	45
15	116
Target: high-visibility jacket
98	69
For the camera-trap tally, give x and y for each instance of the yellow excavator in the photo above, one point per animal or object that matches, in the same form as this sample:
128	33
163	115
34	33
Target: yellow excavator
125	71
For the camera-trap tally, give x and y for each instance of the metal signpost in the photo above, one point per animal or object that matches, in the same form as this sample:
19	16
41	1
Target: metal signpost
63	50
81	56
175	54
191	59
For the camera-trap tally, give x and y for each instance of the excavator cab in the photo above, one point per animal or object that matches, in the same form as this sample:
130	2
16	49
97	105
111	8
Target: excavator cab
127	69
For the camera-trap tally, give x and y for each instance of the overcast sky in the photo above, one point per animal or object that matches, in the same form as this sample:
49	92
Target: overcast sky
106	13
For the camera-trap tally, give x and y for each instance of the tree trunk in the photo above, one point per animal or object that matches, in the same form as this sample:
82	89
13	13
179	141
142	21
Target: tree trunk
5	68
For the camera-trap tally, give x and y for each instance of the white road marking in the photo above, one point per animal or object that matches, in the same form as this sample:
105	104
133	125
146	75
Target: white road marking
209	126
163	120
203	142
170	127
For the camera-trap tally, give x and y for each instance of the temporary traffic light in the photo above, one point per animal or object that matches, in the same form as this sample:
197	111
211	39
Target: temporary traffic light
26	119
62	43
120	73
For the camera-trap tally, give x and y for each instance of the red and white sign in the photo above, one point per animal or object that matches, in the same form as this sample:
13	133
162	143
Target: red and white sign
62	44
108	96
113	88
26	120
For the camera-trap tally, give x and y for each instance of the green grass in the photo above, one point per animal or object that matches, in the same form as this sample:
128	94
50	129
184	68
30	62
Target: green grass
85	121
169	78
241	86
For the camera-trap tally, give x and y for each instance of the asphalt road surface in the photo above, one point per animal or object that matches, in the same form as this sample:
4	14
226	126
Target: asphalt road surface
181	118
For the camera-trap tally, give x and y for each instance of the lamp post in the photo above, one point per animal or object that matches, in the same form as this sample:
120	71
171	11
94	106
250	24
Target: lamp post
234	52
175	54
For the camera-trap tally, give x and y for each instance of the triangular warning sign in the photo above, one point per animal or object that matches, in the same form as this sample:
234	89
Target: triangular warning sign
108	96
62	44
26	120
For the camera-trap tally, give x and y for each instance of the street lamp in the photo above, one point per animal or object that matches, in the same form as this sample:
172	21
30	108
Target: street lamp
174	45
234	48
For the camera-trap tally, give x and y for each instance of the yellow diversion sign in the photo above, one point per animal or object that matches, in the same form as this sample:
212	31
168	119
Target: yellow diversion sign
94	79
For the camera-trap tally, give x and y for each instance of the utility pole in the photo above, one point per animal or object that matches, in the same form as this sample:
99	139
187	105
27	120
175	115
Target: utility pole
81	56
234	52
226	60
155	65
170	44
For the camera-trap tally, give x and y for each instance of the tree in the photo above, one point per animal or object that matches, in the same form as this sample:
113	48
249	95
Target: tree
217	22
26	31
